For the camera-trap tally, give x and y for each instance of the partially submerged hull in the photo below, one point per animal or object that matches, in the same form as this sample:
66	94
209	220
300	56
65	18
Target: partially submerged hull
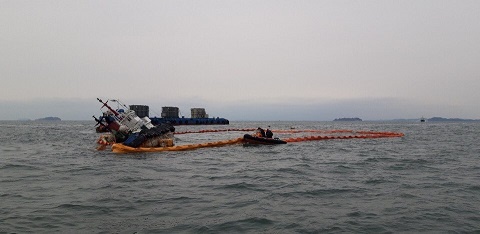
128	128
249	139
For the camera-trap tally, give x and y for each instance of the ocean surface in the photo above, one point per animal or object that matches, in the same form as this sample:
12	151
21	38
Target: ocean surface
53	180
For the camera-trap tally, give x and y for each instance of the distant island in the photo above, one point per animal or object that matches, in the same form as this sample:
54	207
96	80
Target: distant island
49	119
348	119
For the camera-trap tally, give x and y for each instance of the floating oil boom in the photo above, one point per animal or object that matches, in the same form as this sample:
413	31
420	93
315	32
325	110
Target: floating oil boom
319	135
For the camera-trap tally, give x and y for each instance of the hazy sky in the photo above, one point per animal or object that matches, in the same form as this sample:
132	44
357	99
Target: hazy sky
241	59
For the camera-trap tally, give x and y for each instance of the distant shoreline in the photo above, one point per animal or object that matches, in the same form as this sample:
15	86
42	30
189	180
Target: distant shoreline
438	119
348	119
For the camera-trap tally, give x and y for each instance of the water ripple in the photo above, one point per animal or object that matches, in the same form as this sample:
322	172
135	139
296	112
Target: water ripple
53	181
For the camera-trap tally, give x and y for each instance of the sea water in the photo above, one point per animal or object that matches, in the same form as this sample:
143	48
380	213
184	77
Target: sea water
52	179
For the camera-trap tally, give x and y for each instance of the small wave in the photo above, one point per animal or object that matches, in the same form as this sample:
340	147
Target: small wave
354	214
9	195
69	206
376	181
129	179
82	168
407	195
243	225
333	229
11	149
182	198
203	229
305	165
271	152
291	171
77	207
474	188
240	204
241	186
110	186
341	169
361	214
317	192
414	161
216	177
398	167
378	159
19	166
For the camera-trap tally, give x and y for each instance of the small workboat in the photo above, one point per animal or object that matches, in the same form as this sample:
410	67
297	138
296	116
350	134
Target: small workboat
249	139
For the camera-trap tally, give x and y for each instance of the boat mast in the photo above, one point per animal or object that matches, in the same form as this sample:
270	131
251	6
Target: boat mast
105	105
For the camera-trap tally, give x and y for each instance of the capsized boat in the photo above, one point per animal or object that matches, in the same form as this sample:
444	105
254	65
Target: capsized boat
127	128
249	139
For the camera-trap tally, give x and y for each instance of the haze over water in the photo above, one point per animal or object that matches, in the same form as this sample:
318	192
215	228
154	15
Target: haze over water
53	180
285	60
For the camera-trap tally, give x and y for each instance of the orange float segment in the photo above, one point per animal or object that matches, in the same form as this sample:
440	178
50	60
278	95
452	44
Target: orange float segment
121	148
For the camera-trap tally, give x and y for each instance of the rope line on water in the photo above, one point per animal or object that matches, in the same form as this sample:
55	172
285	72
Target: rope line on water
217	130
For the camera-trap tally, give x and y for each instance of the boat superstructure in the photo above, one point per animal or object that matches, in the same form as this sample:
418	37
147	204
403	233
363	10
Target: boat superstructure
127	127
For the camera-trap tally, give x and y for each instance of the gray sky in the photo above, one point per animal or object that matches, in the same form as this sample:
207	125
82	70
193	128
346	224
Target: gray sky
241	59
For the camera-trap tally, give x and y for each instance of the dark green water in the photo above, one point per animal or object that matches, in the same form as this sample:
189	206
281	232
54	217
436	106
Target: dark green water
53	180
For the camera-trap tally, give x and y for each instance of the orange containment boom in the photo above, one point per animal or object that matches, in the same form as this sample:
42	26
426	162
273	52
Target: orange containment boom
327	135
357	134
121	148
